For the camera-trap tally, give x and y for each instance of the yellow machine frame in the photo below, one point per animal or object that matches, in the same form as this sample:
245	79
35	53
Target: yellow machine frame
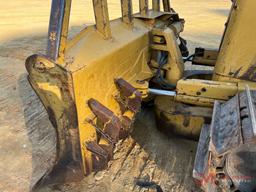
92	86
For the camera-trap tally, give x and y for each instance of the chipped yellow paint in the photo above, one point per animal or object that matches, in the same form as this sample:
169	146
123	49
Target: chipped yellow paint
237	54
99	72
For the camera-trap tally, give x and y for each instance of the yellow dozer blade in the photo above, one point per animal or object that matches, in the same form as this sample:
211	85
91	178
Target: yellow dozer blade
92	86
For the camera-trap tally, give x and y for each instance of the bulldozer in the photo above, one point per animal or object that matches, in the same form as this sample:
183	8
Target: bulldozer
94	85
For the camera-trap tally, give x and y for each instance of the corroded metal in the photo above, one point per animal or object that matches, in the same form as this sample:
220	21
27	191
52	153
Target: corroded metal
130	97
101	132
63	117
251	109
202	154
126	126
156	5
101	154
166	5
58	29
97	149
143	4
126	6
247	131
68	77
225	126
102	17
250	74
235	63
112	125
226	153
175	118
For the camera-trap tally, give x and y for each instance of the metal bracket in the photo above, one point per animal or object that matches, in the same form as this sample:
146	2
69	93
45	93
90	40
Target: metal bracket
109	125
102	18
166	5
101	132
126	6
100	154
156	5
97	149
130	97
143	4
58	29
112	125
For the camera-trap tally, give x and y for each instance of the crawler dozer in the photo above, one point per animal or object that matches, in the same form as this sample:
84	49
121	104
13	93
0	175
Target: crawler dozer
94	84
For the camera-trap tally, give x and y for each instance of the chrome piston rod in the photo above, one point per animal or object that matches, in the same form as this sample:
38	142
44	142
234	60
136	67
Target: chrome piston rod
162	92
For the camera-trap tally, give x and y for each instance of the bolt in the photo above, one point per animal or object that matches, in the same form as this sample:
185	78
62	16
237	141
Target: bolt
140	81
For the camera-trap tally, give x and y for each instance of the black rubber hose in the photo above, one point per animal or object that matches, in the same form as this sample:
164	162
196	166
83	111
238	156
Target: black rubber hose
192	56
149	185
159	78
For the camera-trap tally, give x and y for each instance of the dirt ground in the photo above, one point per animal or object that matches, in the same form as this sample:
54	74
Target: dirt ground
27	140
